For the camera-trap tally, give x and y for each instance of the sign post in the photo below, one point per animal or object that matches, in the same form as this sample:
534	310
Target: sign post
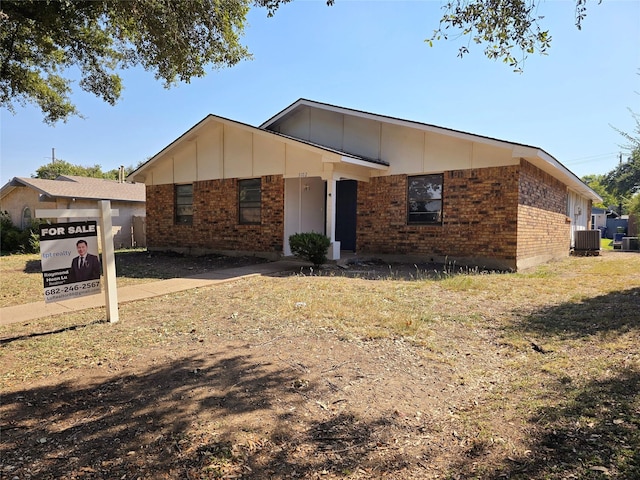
108	262
104	213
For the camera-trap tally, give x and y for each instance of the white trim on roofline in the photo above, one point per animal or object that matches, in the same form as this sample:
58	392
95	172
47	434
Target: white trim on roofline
386	119
535	155
192	133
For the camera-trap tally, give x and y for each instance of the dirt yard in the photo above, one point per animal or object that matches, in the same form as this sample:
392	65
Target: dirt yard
394	376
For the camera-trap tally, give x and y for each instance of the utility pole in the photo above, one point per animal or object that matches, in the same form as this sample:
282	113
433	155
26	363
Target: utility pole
620	204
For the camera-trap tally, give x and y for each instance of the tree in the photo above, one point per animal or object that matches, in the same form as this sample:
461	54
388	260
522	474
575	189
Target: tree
620	187
14	239
624	180
42	40
501	25
633	206
55	168
597	184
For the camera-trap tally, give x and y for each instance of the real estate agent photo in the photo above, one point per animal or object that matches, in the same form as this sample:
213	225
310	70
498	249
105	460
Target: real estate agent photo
85	266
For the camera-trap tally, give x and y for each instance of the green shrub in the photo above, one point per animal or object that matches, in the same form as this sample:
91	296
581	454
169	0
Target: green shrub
14	240
9	234
310	246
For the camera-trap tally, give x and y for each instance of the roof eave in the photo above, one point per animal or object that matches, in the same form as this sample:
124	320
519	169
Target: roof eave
138	174
553	167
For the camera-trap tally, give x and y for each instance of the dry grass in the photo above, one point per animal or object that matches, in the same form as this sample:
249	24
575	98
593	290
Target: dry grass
21	275
540	370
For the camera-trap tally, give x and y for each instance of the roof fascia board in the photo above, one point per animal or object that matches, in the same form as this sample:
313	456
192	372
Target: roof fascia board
137	172
542	159
290	108
363	163
518	149
390	120
46	195
573	181
266	133
25	183
6	189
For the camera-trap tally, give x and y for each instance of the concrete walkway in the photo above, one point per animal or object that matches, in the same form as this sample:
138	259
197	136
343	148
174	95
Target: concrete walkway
32	311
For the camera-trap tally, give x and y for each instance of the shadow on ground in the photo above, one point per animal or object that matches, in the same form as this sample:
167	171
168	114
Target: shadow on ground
163	265
195	417
33	266
5	341
614	312
593	430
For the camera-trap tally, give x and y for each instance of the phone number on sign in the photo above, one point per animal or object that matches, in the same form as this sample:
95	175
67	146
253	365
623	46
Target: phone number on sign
76	287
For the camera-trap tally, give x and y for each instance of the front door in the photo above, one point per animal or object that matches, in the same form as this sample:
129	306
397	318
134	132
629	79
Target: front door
346	203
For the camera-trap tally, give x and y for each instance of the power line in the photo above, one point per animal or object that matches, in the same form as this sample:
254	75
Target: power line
592	158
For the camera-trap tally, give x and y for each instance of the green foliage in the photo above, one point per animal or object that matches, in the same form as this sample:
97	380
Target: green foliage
8	233
502	26
41	40
597	184
14	240
310	246
633	206
56	168
624	180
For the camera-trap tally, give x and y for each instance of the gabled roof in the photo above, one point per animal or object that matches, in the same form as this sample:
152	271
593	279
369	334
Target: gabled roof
71	186
303	102
193	131
534	155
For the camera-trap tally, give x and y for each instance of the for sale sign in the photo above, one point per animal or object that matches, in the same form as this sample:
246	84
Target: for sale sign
69	256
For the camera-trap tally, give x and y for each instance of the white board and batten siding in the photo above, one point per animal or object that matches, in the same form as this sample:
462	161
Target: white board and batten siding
407	150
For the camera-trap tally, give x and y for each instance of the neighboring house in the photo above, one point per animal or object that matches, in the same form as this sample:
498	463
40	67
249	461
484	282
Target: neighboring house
21	197
373	184
599	219
608	221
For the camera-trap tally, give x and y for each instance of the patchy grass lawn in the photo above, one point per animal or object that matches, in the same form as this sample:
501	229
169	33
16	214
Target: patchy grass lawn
21	275
525	375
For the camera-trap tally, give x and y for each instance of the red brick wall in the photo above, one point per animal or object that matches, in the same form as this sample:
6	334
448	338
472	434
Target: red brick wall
480	208
514	215
544	231
540	190
160	215
215	218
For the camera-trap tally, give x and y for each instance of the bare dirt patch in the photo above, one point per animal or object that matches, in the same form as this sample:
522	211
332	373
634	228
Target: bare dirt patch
302	376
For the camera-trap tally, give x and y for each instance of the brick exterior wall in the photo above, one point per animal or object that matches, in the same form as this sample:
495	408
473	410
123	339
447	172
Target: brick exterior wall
544	231
512	216
505	217
215	219
480	208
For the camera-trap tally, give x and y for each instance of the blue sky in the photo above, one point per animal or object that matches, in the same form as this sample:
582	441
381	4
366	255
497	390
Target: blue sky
371	56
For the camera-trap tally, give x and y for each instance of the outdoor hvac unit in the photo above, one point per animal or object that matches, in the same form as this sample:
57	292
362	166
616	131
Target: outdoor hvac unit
587	241
630	244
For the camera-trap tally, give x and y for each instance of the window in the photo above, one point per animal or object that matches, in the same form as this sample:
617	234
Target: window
424	199
249	201
26	218
184	204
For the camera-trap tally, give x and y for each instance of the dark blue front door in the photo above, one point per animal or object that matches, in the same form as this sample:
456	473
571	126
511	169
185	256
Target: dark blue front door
346	204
